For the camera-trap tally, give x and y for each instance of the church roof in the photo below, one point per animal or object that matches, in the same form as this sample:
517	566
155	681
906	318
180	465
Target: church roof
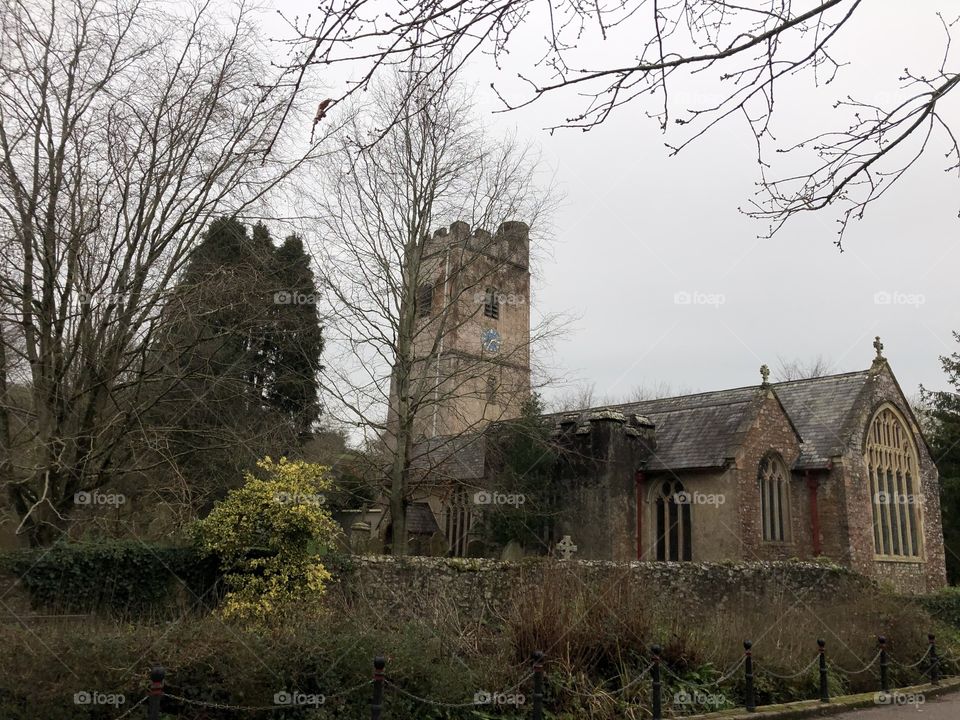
702	430
420	519
705	429
820	408
697	431
459	457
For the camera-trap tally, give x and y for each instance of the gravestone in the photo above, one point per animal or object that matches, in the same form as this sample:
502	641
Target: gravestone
566	548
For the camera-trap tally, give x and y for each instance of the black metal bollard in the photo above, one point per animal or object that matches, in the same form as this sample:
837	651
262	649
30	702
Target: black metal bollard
657	699
751	703
884	665
934	660
824	690
376	703
538	685
156	692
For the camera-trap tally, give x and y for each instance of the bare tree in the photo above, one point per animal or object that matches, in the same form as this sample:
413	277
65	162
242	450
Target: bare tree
749	49
802	369
579	397
124	127
584	396
403	293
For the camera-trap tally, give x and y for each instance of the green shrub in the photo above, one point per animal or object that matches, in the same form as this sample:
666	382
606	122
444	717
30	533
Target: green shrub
944	605
270	535
125	577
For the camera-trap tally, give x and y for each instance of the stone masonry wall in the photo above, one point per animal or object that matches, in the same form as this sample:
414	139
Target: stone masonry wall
929	573
770	432
479	587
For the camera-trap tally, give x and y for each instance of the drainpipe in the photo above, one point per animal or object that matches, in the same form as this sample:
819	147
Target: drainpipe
639	479
812	486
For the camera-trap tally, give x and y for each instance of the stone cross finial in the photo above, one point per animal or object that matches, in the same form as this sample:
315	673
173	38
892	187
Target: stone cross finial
566	548
878	346
765	374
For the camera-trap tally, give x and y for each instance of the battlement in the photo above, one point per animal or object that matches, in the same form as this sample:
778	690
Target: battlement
511	241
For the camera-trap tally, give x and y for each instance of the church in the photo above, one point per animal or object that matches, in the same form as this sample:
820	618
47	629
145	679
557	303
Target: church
832	467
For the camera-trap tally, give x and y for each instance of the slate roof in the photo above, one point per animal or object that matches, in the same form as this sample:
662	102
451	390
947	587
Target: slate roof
450	457
697	431
420	519
820	409
703	430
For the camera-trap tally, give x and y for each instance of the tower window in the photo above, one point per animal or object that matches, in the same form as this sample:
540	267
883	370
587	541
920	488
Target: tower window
425	300
491	303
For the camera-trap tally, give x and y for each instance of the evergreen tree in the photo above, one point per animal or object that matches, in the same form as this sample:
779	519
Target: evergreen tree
527	462
944	412
237	364
296	339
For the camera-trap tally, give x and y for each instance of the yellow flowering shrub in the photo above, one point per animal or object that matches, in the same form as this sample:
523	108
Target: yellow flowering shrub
269	533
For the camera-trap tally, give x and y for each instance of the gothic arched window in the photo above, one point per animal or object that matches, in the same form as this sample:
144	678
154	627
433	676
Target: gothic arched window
458	521
773	477
672	509
891	461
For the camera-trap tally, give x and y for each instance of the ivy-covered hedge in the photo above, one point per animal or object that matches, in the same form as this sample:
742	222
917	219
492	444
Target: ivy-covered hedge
944	605
124	577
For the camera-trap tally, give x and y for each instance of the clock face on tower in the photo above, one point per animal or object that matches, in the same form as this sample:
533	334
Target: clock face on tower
490	340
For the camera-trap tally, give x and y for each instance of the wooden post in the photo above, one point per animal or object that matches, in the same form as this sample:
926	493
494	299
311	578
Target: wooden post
376	704
156	692
824	690
657	699
537	685
750	704
934	660
884	665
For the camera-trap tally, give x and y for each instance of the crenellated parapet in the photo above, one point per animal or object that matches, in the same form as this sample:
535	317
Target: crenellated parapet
510	243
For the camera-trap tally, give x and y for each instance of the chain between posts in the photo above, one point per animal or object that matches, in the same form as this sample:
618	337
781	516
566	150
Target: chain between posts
133	707
700	686
862	670
655	669
797	674
618	691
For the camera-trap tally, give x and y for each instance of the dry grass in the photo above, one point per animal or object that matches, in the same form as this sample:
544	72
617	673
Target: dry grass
597	636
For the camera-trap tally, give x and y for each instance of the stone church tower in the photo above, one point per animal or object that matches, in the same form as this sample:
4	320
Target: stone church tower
472	344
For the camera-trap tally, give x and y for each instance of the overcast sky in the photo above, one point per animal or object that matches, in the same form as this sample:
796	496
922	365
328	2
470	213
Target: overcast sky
639	233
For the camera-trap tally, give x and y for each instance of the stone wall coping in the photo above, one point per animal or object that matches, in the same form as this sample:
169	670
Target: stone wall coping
478	564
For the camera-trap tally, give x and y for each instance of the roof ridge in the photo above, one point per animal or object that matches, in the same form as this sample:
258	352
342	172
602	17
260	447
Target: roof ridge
733	389
822	377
